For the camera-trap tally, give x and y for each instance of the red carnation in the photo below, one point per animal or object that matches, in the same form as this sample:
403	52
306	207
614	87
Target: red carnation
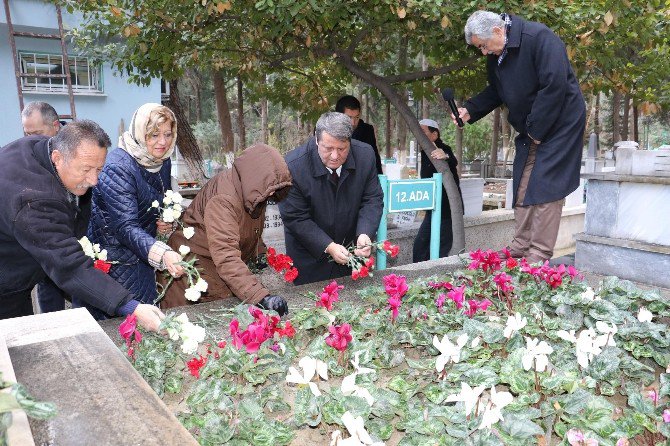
102	266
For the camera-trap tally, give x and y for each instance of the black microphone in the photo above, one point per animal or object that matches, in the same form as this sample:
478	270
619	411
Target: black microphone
448	95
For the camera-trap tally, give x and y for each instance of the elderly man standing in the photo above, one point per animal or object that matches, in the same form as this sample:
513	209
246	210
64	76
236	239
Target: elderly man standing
40	118
529	71
335	201
42	180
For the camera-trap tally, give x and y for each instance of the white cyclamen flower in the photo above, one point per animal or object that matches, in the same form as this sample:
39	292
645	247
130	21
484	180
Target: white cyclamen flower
311	367
514	324
567	335
188	232
536	353
448	352
475	342
589	295
155	204
468	396
201	285
192	294
349	386
358	435
492	413
183	250
644	315
587	347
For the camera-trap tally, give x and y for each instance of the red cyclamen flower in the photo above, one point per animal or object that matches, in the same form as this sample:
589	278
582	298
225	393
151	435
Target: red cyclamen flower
128	328
195	364
457	295
504	282
394	304
339	337
473	306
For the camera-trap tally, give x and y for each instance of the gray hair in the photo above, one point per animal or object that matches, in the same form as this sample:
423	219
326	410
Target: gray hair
72	135
47	112
481	24
337	125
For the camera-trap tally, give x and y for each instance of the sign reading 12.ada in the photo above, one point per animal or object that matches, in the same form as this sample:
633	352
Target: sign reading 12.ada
411	195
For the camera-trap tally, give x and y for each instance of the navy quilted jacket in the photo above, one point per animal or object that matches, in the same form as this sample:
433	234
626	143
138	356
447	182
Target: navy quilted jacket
123	222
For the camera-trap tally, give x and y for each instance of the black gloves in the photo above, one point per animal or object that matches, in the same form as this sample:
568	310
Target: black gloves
275	303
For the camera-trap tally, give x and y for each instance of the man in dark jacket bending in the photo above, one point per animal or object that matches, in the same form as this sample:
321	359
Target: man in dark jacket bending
42	180
363	131
529	71
336	200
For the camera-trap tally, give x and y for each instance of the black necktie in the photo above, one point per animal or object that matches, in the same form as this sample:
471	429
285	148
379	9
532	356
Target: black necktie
334	177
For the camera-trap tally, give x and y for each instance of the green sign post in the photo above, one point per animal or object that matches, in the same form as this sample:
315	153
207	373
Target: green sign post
412	195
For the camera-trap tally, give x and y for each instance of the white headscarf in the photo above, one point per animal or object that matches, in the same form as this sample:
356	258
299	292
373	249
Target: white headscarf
133	140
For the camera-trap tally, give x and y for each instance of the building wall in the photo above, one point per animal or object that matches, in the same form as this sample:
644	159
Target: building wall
117	102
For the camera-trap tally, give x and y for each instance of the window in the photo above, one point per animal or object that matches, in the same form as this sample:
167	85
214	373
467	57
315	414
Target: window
84	75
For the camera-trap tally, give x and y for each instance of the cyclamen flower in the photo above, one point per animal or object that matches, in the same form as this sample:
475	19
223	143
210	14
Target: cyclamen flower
128	330
576	438
653	396
666	416
514	324
329	295
504	282
448	352
395	286
339	337
536	355
458	296
468	395
492	413
311	367
439	302
394	304
474	306
644	315
488	261
195	364
188	232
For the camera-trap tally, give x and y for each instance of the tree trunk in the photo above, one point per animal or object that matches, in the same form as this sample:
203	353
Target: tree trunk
264	120
240	114
596	119
425	103
636	128
458	142
188	145
388	129
401	124
625	123
223	112
427	146
616	117
495	138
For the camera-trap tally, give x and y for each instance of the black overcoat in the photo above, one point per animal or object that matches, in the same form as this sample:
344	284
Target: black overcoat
365	132
537	84
39	224
316	212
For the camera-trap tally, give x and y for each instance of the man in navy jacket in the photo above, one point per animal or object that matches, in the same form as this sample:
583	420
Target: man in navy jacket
529	72
42	180
336	200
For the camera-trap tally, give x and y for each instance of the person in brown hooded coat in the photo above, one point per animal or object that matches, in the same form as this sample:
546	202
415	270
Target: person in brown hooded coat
228	216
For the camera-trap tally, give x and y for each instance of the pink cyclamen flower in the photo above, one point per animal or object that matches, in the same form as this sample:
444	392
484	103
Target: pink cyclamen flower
439	302
577	438
128	328
653	396
329	295
623	441
474	306
457	295
666	416
394	304
339	337
504	282
395	286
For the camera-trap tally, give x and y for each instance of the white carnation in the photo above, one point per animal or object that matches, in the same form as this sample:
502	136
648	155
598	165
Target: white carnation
87	247
201	285
167	199
189	232
168	217
192	294
155	204
183	250
189	346
177	198
102	255
176	214
178	207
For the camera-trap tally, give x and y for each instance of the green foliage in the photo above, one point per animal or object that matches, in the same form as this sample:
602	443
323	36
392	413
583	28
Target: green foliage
15	396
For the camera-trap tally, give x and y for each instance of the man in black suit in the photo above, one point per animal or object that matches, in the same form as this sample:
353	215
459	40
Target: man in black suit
363	131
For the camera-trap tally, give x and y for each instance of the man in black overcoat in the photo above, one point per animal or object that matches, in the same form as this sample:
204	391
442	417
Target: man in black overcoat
529	72
335	201
42	180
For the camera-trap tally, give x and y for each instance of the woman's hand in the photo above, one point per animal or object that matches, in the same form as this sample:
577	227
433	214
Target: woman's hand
163	228
170	260
438	154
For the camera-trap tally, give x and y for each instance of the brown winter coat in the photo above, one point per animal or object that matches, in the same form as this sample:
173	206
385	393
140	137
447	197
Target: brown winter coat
228	216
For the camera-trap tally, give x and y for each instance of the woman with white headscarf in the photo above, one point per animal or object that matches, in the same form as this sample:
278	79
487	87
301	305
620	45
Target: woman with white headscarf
123	220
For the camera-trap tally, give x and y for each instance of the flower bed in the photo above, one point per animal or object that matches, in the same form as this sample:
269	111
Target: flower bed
500	353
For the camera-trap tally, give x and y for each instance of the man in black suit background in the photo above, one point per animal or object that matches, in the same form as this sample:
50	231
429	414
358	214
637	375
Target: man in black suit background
363	131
